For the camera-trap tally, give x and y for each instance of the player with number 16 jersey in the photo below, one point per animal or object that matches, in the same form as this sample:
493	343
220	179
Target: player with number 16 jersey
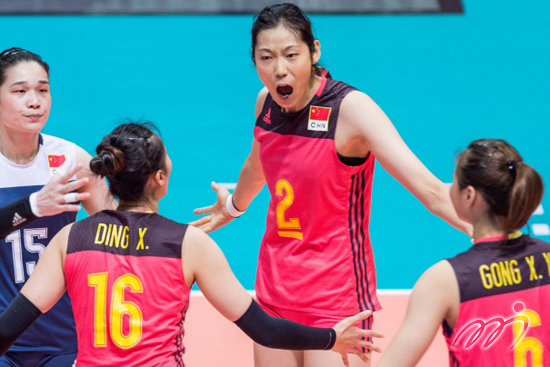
114	261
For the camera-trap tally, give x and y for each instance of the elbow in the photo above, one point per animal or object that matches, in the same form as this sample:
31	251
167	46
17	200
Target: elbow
265	340
437	198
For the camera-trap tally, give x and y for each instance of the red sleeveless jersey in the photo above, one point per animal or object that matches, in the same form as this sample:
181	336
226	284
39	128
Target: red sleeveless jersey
125	280
316	254
504	311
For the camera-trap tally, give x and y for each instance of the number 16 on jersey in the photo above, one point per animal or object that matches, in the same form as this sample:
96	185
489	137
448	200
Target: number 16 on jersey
120	309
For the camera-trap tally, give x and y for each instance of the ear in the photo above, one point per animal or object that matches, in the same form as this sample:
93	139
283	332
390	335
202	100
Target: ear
316	53
469	195
159	178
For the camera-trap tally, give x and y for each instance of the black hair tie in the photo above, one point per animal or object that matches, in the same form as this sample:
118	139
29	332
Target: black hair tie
511	165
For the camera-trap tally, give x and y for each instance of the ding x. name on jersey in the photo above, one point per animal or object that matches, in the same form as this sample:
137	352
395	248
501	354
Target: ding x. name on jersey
316	254
125	278
54	332
504	313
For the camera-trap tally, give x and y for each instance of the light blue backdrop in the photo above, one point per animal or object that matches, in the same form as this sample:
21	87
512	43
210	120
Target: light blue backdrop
444	80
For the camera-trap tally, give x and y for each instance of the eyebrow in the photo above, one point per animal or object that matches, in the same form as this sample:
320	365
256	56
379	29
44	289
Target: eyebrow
286	48
25	82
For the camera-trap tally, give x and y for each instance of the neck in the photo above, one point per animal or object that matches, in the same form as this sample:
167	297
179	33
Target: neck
485	228
18	147
146	207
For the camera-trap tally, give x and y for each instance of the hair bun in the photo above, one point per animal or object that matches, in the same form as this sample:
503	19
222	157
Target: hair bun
109	162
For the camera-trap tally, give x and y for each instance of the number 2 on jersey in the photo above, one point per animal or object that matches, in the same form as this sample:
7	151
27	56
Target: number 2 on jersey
292	223
119	309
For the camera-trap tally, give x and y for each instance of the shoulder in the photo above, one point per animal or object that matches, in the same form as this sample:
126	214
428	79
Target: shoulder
197	248
195	238
540	243
170	227
438	283
52	140
356	101
61	239
439	274
436	291
82	156
170	221
54	145
260	100
358	113
64	232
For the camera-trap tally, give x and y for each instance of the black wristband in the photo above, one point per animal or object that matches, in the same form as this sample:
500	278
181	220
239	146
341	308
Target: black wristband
17	318
15	215
283	334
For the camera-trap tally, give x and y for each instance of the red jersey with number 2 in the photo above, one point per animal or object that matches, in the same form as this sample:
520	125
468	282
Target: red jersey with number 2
125	279
316	254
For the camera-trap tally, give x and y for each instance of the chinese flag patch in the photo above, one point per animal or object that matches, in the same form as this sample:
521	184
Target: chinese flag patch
55	161
318	118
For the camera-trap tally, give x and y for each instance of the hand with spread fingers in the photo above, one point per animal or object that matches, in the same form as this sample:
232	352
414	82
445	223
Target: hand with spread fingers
219	215
350	339
58	194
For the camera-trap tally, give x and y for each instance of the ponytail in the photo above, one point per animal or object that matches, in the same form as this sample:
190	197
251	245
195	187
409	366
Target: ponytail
526	195
511	188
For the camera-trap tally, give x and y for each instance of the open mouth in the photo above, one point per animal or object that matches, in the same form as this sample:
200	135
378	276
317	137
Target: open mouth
284	91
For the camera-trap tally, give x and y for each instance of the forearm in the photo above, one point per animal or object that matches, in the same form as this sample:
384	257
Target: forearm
439	203
15	215
251	182
404	351
17	318
283	334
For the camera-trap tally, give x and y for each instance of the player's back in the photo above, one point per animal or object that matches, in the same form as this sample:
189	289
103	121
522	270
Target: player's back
504	292
125	279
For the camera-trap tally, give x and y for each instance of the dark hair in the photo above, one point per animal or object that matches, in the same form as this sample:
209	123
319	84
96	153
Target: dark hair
15	55
511	188
291	16
127	157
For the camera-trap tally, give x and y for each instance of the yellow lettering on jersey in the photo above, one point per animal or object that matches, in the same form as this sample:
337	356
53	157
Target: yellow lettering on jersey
528	348
516	273
531	261
291	234
108	234
500	274
100	233
125	237
112	235
284	189
99	282
116	236
141	245
547	259
122	310
485	276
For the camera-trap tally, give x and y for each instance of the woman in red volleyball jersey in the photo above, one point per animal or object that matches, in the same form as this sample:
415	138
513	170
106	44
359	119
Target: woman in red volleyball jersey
492	299
315	142
129	272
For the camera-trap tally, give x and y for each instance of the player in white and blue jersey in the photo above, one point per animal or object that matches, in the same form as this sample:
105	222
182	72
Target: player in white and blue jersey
28	160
